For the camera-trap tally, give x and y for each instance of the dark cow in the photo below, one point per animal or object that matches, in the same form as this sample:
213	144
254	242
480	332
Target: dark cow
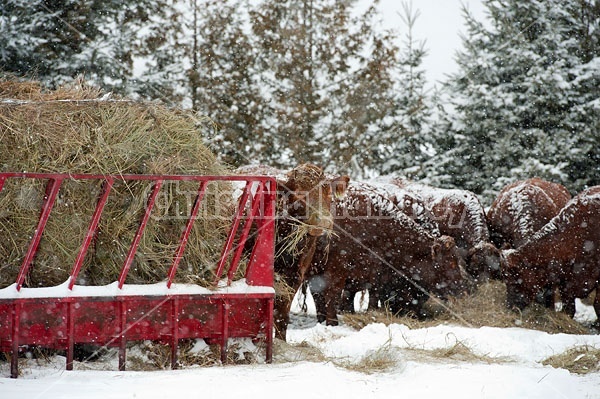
565	253
459	214
304	201
407	202
522	208
377	246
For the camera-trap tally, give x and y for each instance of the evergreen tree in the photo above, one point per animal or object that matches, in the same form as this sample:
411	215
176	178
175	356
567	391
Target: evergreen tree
154	34
295	81
406	149
328	77
57	41
524	101
222	80
52	40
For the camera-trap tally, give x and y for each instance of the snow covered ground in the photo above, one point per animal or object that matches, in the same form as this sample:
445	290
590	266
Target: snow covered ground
445	361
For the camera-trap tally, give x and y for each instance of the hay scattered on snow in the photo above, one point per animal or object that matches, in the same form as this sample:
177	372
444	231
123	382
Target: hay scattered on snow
383	359
580	360
79	129
484	308
487	307
149	355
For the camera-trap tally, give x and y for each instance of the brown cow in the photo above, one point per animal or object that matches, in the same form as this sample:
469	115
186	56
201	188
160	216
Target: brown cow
522	208
304	198
564	253
459	214
407	202
377	246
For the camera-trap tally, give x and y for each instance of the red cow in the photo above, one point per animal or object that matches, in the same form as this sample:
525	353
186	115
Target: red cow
459	214
522	208
405	201
377	246
565	253
304	196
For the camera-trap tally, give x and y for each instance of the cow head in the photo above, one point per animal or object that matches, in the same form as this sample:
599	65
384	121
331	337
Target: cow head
484	261
523	281
451	277
307	197
305	200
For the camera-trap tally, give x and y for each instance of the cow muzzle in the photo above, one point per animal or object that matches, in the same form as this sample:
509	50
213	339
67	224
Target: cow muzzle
319	224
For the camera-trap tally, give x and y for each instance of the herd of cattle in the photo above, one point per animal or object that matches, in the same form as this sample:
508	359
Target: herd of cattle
404	241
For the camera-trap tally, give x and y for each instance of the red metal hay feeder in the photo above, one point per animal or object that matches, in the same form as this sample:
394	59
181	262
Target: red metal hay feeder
59	317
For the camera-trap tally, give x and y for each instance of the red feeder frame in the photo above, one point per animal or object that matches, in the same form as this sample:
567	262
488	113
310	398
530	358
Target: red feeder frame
59	317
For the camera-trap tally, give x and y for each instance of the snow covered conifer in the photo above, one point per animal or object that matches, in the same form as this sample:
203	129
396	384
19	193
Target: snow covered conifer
524	101
405	148
222	81
57	41
328	75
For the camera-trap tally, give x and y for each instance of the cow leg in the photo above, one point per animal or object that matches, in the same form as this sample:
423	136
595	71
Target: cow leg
597	309
548	297
281	309
348	295
569	307
347	301
568	301
320	307
331	305
332	295
317	286
281	314
373	300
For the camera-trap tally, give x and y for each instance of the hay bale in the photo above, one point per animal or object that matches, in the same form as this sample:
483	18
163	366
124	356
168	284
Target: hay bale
79	129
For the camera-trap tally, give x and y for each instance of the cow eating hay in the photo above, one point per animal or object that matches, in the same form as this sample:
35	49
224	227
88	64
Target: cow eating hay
304	201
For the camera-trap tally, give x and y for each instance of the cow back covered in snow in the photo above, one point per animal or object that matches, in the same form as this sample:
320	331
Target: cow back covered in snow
565	253
522	208
459	214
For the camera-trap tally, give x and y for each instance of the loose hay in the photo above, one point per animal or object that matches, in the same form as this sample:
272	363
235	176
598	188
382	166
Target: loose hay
284	352
487	307
580	360
459	352
79	129
484	308
148	355
382	359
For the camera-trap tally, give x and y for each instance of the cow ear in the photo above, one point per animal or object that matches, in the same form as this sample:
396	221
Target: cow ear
284	192
436	250
340	185
508	268
448	242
